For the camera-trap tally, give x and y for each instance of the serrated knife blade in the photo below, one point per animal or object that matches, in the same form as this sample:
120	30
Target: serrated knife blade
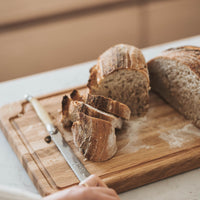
77	167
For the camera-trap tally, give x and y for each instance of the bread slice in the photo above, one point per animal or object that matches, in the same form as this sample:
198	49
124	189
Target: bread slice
71	110
66	117
109	105
94	137
121	74
175	75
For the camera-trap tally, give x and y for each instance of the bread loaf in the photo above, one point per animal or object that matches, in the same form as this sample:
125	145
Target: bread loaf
175	76
94	137
121	74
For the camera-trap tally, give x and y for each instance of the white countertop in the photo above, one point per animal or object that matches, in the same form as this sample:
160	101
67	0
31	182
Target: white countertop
185	186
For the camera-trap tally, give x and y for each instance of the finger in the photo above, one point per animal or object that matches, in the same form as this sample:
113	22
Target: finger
93	180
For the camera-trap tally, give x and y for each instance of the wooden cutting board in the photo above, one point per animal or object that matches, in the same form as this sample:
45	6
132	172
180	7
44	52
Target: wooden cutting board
158	145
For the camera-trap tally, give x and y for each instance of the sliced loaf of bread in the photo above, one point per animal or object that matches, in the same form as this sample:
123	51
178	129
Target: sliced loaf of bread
175	76
121	74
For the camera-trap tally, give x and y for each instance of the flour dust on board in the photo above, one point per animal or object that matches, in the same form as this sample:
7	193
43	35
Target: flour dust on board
178	137
129	140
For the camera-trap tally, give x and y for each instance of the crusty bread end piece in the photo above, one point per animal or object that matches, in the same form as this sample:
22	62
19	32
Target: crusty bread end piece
94	137
175	76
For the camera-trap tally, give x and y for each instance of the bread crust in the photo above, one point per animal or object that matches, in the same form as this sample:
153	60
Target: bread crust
119	57
76	96
66	101
187	55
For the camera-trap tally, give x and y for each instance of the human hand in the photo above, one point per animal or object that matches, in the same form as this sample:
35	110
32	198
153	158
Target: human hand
96	190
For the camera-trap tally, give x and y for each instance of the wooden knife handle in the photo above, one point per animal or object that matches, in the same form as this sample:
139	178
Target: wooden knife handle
41	112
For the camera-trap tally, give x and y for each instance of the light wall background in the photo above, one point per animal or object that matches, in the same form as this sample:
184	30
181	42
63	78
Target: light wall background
36	36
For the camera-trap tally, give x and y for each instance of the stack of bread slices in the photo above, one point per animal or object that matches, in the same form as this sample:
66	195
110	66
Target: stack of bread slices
94	119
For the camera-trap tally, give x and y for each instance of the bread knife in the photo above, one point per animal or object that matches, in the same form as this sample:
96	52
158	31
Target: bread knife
77	167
